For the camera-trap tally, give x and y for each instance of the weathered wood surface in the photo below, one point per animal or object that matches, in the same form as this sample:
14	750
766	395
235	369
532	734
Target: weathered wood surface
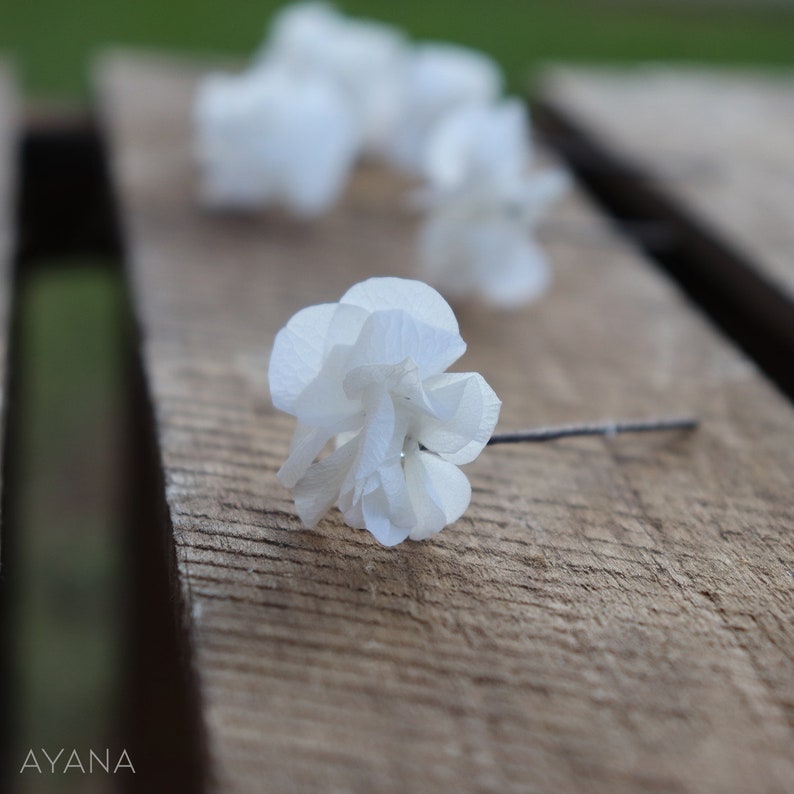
609	616
719	144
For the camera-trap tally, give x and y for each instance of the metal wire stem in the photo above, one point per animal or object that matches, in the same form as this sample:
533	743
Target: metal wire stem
540	434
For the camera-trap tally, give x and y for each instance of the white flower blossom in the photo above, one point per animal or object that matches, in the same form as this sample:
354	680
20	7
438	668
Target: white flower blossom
368	373
365	59
440	78
271	137
483	203
479	144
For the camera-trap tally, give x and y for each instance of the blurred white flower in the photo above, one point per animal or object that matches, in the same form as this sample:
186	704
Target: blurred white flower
477	145
365	59
271	137
439	78
369	374
482	204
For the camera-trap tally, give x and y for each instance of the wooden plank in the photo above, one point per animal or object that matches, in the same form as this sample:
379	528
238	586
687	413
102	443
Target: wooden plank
609	616
717	145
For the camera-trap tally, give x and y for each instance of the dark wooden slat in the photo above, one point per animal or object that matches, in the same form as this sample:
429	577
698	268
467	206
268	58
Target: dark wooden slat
710	154
610	616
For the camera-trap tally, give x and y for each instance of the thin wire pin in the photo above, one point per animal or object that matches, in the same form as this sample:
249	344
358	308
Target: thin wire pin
540	434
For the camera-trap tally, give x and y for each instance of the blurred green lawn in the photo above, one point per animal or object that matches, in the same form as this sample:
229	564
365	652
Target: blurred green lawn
54	39
69	465
68	573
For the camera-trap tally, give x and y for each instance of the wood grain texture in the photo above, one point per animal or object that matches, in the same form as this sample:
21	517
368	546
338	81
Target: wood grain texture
609	616
718	143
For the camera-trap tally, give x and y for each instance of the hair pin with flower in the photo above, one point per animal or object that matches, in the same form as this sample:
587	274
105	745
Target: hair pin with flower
367	377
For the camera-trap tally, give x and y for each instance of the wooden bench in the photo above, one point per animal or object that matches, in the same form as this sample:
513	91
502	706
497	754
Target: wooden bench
609	616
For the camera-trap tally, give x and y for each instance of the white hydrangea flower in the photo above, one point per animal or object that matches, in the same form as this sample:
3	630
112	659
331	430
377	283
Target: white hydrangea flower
482	204
271	137
479	144
369	374
439	78
366	59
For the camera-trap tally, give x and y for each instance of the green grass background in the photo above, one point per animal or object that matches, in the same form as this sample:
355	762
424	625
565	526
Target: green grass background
68	570
70	462
54	39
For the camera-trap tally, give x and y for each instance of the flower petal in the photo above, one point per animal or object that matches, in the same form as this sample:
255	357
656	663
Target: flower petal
402	381
537	194
392	336
377	518
474	409
307	443
496	256
376	436
392	479
301	347
386	510
445	75
319	488
479	143
317	144
439	492
324	402
229	114
444	257
298	353
522	276
439	78
416	298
